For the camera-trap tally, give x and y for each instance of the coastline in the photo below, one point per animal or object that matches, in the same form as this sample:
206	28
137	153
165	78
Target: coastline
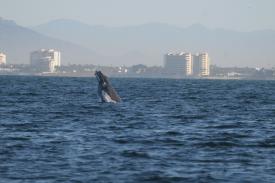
84	75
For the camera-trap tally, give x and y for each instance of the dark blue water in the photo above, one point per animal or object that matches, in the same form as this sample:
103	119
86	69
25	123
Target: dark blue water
54	130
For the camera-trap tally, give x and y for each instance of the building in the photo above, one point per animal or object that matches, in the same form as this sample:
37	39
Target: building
179	64
3	58
204	64
45	60
201	65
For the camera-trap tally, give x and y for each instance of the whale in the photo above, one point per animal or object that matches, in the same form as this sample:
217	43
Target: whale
105	91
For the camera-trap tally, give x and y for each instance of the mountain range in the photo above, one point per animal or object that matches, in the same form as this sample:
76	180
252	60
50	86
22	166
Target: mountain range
17	42
145	44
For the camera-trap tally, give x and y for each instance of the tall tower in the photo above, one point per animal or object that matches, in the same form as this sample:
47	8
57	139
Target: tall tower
179	64
3	58
201	65
204	64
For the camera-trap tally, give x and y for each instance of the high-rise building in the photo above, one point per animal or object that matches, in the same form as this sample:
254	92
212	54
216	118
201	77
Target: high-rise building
179	64
45	60
201	65
204	64
3	58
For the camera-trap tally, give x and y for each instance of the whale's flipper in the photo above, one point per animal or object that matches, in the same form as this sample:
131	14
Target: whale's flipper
105	91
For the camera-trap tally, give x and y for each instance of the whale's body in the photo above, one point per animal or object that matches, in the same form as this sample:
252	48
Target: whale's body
106	92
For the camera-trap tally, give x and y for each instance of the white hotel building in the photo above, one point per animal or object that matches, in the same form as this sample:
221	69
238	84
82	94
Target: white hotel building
3	58
201	64
179	64
45	60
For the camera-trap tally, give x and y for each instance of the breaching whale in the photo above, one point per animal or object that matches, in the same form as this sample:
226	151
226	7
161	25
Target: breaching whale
106	92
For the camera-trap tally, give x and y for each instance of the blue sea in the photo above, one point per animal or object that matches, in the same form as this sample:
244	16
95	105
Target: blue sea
53	130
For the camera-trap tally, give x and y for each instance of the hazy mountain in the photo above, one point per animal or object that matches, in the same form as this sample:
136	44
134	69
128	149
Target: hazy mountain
17	42
151	41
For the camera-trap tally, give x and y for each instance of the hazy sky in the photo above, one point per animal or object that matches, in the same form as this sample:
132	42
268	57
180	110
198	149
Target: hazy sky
244	15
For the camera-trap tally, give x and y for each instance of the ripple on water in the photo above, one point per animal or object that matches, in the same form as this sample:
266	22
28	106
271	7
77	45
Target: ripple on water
55	130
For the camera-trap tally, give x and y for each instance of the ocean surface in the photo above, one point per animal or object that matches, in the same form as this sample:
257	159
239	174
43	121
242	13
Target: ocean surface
53	129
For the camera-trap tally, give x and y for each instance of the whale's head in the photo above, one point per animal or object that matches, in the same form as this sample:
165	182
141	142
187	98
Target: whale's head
101	78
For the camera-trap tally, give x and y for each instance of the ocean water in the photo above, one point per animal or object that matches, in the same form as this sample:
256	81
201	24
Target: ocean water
53	129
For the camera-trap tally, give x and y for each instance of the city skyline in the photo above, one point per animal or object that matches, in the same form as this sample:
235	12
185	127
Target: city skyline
178	65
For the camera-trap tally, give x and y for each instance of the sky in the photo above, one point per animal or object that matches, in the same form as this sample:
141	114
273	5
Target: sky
240	15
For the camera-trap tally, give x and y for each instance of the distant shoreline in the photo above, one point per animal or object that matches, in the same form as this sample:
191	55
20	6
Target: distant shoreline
134	76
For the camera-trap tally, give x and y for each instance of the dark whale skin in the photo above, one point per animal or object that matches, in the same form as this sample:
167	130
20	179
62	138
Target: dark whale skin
105	85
